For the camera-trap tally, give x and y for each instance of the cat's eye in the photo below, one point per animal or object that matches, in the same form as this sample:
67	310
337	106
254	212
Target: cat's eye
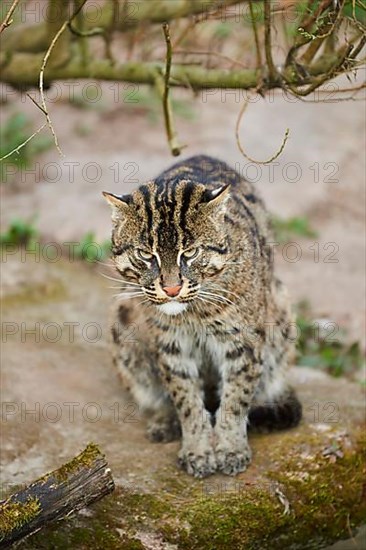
146	256
190	254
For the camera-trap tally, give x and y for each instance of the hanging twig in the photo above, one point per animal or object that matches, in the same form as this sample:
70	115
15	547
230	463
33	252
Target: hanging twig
175	148
276	155
41	90
8	18
354	91
17	149
41	74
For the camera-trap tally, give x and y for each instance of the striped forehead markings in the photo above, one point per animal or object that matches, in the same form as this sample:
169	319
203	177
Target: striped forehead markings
166	205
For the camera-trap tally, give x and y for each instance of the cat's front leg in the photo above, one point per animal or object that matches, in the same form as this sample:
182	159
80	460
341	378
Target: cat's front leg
240	376
180	377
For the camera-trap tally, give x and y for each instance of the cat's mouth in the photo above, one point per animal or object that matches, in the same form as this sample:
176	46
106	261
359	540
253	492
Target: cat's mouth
172	307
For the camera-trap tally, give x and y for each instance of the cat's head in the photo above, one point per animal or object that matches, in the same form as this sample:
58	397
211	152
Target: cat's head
170	241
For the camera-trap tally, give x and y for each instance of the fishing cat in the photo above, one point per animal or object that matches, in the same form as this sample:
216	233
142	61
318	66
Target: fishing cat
213	330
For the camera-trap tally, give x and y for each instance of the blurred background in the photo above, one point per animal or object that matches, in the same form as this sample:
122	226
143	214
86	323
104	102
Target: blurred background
112	134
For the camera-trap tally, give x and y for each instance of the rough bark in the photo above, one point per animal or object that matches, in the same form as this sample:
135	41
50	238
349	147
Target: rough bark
75	485
199	78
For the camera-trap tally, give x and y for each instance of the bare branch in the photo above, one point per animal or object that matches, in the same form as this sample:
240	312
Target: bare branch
187	76
8	18
276	155
79	7
36	103
333	71
17	149
41	87
326	31
175	148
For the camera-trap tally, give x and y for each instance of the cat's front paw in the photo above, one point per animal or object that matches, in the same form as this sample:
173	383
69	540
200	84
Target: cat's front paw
199	463
233	460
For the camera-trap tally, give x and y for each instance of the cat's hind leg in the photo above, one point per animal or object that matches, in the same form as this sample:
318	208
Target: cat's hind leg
275	405
281	412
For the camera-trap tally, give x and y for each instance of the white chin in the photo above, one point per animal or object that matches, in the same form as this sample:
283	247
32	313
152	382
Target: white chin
172	308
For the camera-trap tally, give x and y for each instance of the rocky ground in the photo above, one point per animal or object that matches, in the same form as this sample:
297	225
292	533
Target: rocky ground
317	468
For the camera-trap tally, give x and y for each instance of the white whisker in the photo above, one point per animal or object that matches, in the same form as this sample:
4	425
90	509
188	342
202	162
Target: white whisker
119	280
205	300
111	264
216	296
143	302
217	287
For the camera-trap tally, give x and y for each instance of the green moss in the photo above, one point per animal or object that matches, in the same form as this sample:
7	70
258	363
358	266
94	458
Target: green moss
325	500
323	507
14	515
84	460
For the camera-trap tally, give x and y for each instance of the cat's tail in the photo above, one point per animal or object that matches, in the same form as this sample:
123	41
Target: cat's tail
283	412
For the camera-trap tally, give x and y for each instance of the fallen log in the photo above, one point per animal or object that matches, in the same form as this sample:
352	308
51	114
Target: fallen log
75	485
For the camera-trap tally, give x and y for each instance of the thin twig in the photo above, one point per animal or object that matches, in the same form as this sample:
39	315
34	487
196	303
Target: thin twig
256	38
36	103
358	48
306	25
41	74
276	155
337	99
41	90
8	21
267	40
333	71
17	149
176	149
93	32
327	30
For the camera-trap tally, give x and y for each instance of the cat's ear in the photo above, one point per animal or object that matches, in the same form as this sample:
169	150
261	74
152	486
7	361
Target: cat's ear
119	204
216	197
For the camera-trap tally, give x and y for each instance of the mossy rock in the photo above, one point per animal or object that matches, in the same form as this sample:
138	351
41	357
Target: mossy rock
323	486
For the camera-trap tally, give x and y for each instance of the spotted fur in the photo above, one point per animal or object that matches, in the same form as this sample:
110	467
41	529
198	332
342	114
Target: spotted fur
211	360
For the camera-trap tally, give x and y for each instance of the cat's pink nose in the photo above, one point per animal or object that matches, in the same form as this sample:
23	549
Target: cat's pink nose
172	291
